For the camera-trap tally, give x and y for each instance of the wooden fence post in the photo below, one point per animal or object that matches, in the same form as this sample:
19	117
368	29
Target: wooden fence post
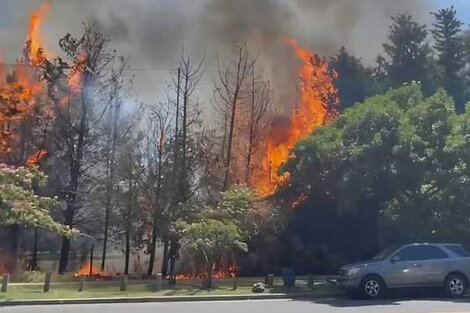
235	282
311	281
270	282
47	282
5	281
123	286
159	281
81	283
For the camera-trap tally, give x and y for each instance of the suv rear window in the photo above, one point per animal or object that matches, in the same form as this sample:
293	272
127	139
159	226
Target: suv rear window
420	252
459	250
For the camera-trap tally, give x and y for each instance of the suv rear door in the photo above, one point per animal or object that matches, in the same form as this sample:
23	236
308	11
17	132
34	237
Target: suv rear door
403	269
416	265
434	265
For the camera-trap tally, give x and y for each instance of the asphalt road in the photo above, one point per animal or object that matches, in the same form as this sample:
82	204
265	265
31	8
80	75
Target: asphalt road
265	306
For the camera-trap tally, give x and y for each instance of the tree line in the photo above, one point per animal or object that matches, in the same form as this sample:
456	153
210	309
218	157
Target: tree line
148	175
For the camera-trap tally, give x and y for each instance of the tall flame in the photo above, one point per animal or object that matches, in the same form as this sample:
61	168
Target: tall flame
316	105
34	38
24	98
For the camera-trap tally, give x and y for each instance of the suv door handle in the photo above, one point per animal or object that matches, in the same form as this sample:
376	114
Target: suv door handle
417	265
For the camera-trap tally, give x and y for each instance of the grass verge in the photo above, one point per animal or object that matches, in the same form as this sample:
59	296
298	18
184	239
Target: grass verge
95	289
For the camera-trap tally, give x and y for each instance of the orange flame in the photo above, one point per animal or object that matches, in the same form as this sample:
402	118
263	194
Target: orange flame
75	78
229	273
317	105
35	40
85	270
24	98
36	157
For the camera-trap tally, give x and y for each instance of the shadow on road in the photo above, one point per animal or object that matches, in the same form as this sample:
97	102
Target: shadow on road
397	297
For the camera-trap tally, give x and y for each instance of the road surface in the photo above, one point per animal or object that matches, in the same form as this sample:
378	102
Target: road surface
265	306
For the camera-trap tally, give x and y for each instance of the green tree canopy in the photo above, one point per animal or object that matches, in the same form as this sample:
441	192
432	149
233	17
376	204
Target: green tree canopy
354	81
451	56
407	53
20	205
402	155
211	239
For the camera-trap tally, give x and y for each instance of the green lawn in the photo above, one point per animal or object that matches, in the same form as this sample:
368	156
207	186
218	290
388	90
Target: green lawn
95	289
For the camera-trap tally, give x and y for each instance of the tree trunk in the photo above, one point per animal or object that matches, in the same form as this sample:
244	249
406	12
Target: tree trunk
153	246
110	181
209	277
177	104
184	140
92	250
75	173
34	260
65	249
173	251
241	70
13	243
128	217
128	250
165	257
229	145
64	255
252	129
105	239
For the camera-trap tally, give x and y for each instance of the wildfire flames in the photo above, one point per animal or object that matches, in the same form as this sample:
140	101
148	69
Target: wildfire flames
229	273
85	270
317	105
23	97
34	38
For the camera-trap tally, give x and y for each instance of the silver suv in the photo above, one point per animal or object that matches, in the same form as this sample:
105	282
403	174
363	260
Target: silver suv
413	265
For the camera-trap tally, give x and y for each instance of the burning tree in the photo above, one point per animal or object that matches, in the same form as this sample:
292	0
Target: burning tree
229	92
156	177
317	105
77	87
25	113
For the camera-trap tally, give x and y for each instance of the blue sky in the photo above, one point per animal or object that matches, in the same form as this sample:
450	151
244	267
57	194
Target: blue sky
462	7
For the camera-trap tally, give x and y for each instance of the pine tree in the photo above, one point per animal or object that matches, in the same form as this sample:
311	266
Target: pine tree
408	54
450	48
354	81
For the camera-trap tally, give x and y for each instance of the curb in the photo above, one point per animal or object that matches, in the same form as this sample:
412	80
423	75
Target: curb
158	299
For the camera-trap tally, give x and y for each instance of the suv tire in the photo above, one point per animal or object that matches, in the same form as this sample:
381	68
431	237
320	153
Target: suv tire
455	285
372	287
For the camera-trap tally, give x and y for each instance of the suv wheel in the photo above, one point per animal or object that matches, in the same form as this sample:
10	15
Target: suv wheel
372	287
455	286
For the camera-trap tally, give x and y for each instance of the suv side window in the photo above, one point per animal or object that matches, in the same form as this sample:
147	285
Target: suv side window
419	253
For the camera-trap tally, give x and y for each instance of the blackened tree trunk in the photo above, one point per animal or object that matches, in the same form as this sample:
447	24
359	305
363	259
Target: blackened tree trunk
156	206
13	243
153	247
111	156
229	87
34	260
128	248
65	249
75	173
165	257
173	254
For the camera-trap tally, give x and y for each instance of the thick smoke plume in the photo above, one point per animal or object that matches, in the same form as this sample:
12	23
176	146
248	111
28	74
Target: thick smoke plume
153	32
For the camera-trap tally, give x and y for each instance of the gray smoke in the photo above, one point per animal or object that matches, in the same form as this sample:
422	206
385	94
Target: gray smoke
154	32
